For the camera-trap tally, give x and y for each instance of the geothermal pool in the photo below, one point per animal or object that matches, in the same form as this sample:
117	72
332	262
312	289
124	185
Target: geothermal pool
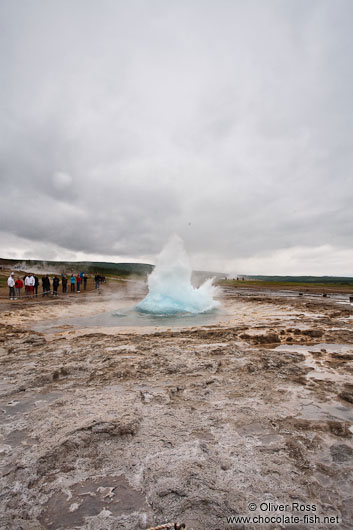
235	309
130	317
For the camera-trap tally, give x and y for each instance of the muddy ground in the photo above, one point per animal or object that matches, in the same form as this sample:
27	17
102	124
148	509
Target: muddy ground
123	428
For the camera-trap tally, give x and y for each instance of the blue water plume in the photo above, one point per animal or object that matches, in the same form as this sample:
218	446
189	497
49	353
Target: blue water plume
170	287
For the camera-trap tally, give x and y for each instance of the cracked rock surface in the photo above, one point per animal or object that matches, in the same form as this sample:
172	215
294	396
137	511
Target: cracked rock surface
127	429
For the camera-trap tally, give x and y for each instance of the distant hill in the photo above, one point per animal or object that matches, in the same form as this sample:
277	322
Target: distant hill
102	267
340	280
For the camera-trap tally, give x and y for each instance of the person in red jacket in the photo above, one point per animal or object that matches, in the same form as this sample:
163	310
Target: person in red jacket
18	286
78	282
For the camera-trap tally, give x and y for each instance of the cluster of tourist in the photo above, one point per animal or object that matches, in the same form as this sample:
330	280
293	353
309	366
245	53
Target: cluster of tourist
30	282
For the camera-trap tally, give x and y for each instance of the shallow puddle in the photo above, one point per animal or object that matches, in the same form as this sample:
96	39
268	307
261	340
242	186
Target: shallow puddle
324	411
89	498
330	348
319	358
16	406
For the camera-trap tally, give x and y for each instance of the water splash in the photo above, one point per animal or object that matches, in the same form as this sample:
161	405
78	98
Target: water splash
170	287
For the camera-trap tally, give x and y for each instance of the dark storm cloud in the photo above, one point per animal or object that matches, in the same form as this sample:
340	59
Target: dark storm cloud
229	123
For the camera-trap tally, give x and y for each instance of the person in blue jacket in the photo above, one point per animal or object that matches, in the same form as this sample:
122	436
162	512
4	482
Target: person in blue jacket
72	282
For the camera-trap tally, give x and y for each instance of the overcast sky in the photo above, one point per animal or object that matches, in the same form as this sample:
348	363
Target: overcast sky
227	122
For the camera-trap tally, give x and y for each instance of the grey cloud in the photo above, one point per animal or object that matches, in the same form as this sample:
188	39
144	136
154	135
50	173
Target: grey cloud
229	123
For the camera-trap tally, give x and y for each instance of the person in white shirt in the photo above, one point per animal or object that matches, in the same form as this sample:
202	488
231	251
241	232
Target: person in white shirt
11	284
32	282
27	285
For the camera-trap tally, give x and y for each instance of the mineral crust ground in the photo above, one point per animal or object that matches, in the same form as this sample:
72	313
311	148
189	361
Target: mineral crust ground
106	428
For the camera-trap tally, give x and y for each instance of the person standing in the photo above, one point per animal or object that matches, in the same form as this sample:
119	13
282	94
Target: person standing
96	279
18	287
24	283
64	282
11	284
27	285
78	282
56	282
72	282
85	281
46	285
36	284
31	285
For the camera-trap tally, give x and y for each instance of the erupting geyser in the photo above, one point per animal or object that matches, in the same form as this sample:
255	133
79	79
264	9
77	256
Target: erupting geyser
170	288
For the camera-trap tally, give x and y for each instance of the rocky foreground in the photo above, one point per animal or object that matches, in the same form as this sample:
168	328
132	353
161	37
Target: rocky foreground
130	430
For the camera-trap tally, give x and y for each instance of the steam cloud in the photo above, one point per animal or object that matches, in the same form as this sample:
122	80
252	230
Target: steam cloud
170	288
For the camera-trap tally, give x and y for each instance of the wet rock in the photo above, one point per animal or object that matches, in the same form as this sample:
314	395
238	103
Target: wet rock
35	339
292	369
316	353
300	380
339	428
347	393
346	396
16	523
270	338
343	356
126	425
341	453
297	451
346	508
314	333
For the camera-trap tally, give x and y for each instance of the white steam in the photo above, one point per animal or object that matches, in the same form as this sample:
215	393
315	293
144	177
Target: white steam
170	288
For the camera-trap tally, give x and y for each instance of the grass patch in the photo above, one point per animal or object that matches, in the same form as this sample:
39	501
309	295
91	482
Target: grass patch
294	284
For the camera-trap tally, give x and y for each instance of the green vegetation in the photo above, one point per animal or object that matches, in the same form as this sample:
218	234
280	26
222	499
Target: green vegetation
293	282
322	280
